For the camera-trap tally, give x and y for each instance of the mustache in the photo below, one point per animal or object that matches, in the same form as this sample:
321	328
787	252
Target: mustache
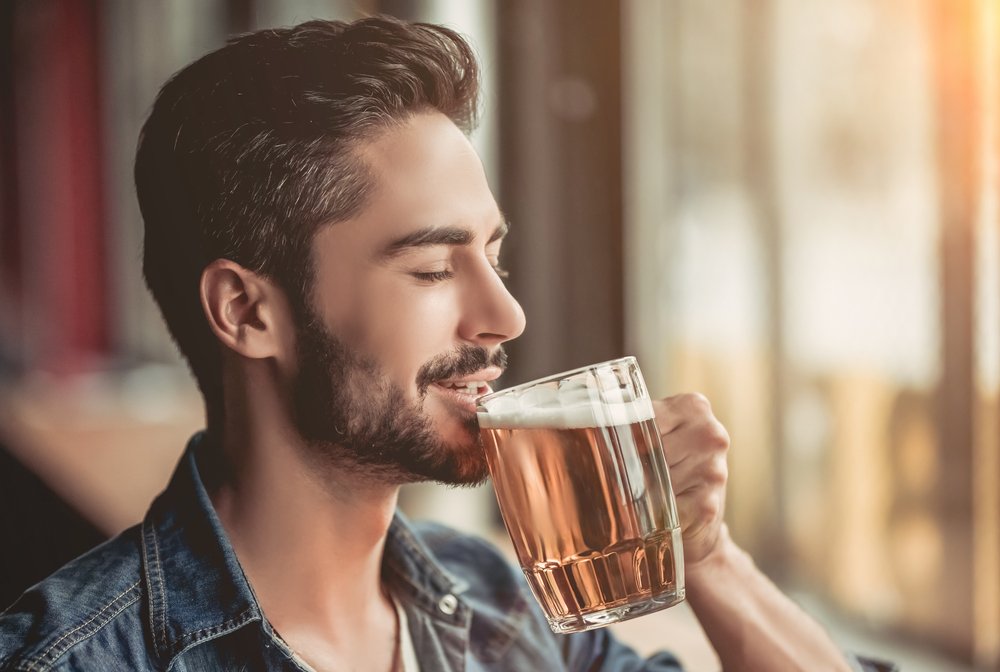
465	360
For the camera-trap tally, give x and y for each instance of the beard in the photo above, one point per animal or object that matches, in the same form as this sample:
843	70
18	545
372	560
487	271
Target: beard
352	416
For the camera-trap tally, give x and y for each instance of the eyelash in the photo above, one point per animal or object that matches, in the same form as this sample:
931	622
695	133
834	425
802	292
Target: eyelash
434	276
440	276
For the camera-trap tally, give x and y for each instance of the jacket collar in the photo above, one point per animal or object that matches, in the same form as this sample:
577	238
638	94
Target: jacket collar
196	587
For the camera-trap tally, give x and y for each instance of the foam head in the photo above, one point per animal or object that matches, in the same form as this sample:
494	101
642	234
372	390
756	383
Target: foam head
567	405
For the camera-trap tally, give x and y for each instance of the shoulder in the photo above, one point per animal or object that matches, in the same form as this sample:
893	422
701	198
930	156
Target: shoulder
475	562
86	613
451	546
506	622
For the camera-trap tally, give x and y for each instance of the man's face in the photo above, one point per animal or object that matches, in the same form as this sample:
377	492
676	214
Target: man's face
408	313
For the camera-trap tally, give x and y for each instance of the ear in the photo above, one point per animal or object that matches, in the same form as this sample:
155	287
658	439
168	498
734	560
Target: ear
243	309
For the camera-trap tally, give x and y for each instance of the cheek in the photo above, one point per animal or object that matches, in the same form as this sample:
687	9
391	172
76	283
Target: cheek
403	329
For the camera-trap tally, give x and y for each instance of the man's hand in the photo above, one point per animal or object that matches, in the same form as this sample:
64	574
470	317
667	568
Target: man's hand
750	623
695	444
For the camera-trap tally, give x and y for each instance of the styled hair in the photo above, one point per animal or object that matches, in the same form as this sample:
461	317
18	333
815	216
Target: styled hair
252	148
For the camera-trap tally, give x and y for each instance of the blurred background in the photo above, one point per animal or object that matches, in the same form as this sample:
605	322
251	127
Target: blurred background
788	205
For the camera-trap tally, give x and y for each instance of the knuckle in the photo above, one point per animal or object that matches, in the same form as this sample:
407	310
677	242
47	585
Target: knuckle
713	437
718	473
710	507
698	403
689	403
718	437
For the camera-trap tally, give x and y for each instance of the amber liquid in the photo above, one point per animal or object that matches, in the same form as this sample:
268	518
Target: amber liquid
592	519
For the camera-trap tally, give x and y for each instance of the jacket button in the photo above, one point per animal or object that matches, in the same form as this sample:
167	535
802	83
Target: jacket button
448	604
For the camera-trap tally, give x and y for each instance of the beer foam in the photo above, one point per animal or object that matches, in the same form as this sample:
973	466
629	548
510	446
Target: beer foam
561	411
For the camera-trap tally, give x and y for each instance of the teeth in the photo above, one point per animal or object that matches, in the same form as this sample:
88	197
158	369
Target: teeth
468	388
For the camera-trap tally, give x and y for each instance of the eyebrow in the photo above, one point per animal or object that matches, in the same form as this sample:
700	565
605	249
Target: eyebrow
439	235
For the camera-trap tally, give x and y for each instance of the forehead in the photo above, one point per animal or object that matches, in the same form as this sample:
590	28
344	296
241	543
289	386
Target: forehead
426	173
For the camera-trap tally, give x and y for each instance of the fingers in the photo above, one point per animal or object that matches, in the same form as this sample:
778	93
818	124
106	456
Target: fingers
700	506
700	493
673	412
689	429
695	445
705	470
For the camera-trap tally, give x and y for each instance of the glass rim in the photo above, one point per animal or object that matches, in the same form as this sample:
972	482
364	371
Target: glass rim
628	359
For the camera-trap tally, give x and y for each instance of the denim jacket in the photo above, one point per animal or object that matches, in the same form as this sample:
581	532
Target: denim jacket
169	594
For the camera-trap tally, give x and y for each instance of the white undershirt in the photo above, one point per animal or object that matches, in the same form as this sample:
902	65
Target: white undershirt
407	655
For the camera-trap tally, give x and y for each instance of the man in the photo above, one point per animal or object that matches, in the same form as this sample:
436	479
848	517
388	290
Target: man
324	247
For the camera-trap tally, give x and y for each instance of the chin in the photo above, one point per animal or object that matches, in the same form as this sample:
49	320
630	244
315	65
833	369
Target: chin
465	460
458	432
468	473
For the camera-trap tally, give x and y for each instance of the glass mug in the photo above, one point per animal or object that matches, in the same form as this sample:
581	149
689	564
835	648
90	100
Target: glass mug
584	491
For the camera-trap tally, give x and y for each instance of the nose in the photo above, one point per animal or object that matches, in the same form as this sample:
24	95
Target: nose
491	315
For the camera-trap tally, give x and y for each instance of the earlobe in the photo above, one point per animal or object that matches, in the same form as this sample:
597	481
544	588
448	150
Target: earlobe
238	305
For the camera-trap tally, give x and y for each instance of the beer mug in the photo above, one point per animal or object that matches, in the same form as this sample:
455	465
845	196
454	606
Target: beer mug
583	487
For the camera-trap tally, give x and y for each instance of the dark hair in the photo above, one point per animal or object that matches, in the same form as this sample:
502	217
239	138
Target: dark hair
249	150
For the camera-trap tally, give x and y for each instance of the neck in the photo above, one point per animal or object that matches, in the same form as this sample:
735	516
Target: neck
309	538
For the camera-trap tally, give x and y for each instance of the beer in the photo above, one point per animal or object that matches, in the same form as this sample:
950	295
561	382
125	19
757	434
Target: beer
585	495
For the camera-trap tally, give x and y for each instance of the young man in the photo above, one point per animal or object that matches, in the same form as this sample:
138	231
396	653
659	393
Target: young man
324	247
